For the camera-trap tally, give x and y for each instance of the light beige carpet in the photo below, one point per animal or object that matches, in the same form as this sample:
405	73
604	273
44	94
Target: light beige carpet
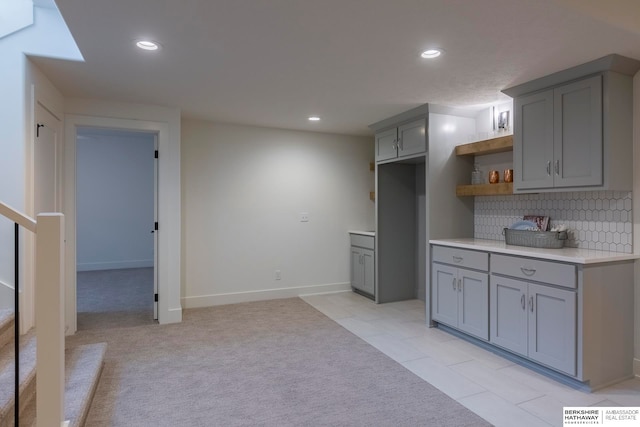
270	363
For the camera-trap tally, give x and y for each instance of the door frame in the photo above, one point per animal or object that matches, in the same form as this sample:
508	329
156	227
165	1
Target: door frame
169	309
150	137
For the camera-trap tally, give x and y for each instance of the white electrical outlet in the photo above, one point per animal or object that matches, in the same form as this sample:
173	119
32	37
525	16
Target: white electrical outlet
278	275
304	217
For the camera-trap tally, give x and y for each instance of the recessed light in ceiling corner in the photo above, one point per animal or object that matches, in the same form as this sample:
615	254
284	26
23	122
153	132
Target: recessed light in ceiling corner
314	118
148	45
431	53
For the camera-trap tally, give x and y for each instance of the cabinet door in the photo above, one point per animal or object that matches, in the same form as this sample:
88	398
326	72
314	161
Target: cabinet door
386	144
552	327
508	314
412	138
533	141
357	270
368	271
445	294
473	303
578	134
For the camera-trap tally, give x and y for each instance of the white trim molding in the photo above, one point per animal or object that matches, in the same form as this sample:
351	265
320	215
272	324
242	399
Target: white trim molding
262	295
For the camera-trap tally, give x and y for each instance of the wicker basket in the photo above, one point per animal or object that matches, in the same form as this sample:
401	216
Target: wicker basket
535	239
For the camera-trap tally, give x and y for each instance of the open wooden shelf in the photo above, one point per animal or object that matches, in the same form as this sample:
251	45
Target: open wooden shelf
500	144
485	189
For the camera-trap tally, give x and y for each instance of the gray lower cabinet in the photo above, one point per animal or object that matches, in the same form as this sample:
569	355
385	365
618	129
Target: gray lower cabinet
535	321
575	320
460	296
363	264
401	141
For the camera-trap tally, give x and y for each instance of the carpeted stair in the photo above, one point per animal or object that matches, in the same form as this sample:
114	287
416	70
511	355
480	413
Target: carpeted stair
83	366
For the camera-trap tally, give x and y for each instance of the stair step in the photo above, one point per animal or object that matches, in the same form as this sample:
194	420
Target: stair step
83	366
6	326
7	377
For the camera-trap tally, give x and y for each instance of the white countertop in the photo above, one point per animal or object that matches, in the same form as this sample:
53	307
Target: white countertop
573	255
364	233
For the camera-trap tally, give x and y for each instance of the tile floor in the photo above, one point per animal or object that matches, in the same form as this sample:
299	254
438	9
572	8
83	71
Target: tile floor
500	391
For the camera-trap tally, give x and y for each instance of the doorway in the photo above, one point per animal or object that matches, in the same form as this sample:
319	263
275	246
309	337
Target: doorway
116	255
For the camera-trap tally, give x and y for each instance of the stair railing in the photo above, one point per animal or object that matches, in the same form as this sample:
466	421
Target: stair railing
49	313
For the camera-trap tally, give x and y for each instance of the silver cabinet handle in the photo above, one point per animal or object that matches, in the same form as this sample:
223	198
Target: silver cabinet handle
549	168
522	298
557	167
528	271
454	284
531	303
401	144
457	259
393	145
459	285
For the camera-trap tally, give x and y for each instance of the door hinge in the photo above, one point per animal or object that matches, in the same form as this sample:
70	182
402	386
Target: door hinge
155	297
155	155
155	226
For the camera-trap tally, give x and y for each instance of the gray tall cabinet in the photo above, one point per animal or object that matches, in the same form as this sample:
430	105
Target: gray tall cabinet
416	177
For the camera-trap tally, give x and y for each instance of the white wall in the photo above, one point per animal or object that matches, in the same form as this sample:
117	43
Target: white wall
115	196
243	190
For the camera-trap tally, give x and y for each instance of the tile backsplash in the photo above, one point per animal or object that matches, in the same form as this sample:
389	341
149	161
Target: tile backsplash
599	220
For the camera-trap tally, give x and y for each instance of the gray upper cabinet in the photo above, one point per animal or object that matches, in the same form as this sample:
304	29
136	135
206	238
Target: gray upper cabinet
386	144
573	130
558	137
578	147
402	141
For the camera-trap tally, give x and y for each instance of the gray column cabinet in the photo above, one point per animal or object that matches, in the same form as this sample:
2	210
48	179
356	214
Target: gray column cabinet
558	137
460	296
405	140
363	264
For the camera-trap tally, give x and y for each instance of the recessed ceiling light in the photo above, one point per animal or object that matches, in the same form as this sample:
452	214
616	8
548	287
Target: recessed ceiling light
147	45
431	53
314	119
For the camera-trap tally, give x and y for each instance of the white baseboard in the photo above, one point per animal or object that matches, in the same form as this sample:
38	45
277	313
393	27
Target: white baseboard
115	265
173	315
267	294
636	367
6	296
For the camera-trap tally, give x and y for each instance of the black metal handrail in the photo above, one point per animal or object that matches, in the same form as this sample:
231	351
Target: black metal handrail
16	311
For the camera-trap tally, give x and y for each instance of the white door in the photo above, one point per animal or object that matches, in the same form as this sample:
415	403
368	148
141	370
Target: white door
45	162
155	230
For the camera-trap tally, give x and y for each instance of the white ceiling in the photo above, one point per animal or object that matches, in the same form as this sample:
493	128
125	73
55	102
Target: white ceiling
353	62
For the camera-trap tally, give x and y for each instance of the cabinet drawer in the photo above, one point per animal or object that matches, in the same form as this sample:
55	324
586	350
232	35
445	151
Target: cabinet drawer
361	241
461	257
535	269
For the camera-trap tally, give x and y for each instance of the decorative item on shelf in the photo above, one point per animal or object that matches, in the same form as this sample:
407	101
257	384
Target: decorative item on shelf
494	177
476	175
508	175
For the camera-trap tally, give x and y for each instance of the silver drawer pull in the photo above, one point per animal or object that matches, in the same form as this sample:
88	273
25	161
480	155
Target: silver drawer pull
549	168
528	271
457	259
531	303
522	298
454	283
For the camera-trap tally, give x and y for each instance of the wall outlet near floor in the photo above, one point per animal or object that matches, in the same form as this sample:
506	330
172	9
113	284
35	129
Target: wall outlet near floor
304	216
277	275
